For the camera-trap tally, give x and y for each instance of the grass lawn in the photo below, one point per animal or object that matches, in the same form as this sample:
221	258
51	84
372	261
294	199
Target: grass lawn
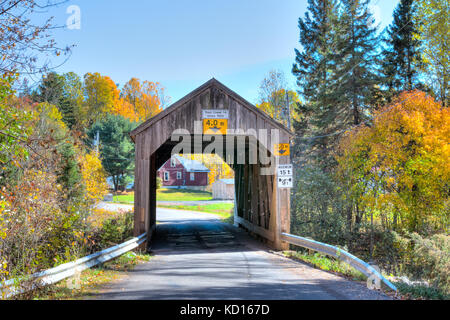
224	210
168	195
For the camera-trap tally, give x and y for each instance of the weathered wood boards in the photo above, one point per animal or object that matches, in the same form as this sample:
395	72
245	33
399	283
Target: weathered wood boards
259	202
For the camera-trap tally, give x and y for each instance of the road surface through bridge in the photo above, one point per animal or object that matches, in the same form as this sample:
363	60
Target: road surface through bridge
199	257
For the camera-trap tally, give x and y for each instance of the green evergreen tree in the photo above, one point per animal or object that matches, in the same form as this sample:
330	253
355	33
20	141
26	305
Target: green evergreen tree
50	89
402	54
63	91
71	100
116	147
356	79
314	69
69	175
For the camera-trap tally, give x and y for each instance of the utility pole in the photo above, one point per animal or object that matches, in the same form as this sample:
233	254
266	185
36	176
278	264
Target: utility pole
97	141
288	110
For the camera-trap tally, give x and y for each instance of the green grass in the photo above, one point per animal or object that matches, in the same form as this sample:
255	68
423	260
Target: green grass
327	263
420	292
224	210
92	279
169	195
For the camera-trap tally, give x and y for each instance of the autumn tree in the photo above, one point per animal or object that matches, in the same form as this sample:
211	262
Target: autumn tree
397	168
14	133
144	98
94	177
274	98
56	151
101	96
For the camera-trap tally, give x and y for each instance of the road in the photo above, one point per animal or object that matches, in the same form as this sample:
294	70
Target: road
196	256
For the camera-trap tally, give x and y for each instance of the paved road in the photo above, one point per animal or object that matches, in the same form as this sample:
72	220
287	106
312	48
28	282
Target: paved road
199	257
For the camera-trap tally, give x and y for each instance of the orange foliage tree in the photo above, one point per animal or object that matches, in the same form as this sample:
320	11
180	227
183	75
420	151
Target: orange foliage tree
397	168
142	100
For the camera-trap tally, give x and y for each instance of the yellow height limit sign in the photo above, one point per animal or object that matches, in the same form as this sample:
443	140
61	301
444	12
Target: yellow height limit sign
282	149
215	126
215	121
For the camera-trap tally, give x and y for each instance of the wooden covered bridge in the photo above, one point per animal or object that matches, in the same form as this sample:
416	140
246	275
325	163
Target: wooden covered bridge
214	119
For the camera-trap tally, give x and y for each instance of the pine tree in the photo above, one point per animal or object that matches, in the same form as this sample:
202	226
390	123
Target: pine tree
63	91
402	55
356	79
314	68
50	89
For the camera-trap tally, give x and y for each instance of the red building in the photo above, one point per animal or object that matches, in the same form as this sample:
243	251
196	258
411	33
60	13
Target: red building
179	172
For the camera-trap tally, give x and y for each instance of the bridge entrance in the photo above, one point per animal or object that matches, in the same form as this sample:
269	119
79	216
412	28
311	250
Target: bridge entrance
214	119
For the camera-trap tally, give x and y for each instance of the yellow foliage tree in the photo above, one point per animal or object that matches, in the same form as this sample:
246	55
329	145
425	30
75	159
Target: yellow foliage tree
398	167
101	96
275	105
94	177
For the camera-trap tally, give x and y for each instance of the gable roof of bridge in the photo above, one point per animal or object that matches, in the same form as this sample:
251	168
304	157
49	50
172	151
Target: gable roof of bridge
191	96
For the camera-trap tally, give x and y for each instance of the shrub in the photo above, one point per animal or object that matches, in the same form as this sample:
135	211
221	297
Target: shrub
430	258
37	234
317	210
109	228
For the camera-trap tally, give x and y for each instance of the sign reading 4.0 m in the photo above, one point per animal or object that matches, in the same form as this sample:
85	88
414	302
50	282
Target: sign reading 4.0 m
215	121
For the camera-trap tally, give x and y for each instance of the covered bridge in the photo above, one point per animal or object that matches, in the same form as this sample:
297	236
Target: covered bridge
214	119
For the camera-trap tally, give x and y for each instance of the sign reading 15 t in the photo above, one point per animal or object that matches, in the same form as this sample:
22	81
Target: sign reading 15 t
285	176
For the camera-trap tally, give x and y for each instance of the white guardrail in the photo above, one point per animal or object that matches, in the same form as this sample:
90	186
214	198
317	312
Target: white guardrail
337	253
54	275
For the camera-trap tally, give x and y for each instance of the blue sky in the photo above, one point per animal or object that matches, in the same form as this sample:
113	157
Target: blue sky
182	44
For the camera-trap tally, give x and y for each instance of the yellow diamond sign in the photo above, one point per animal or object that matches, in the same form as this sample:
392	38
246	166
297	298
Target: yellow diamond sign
282	149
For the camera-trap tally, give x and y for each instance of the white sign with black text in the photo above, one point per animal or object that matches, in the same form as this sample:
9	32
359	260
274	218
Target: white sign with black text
285	182
215	114
285	176
285	170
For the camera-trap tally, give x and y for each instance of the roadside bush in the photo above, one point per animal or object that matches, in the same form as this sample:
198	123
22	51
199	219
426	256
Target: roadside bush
36	233
317	210
110	228
409	255
430	258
